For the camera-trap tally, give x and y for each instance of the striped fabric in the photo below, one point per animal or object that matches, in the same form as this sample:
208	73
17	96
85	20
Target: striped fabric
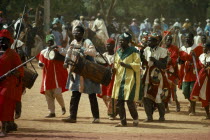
127	81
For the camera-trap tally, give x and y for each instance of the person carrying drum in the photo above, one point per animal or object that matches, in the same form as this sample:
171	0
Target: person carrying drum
107	90
53	79
11	86
76	83
127	79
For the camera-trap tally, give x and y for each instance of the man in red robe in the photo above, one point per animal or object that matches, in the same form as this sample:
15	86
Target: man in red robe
11	86
172	69
189	55
201	92
54	78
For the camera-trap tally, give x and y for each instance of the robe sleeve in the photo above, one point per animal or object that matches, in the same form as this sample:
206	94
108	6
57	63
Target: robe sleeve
89	48
136	62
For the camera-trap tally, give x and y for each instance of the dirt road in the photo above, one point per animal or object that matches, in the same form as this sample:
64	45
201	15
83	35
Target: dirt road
33	125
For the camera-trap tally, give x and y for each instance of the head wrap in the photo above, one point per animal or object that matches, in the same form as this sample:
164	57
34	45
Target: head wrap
165	33
6	33
49	37
110	41
126	36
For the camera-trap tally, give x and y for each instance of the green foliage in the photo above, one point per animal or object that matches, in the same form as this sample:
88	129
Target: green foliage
196	10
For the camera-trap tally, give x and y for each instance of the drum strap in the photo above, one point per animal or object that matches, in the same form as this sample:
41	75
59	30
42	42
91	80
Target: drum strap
101	55
96	50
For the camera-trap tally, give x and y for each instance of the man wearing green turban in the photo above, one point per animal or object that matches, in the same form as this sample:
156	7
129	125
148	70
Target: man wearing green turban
127	79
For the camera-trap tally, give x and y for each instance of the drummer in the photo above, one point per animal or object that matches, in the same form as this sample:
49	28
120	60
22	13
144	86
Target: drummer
79	84
107	90
53	79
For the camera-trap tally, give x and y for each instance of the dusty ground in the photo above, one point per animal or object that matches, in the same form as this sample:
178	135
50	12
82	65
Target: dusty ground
33	125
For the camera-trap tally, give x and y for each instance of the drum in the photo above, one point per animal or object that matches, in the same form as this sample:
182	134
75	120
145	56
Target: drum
53	54
91	70
29	78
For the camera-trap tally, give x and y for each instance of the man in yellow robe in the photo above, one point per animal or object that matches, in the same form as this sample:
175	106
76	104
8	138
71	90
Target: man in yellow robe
127	79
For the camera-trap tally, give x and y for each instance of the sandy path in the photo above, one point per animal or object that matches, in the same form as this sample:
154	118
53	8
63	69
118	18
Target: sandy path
33	125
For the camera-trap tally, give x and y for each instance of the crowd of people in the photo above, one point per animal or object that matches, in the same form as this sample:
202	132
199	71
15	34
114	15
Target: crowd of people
146	64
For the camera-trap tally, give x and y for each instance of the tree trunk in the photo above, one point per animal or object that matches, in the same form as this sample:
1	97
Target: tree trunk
106	14
47	15
112	5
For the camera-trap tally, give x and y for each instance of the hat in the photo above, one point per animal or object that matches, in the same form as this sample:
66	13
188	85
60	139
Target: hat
49	37
110	41
126	36
186	19
7	34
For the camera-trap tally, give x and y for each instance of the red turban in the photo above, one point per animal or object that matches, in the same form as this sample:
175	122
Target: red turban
110	41
7	34
165	33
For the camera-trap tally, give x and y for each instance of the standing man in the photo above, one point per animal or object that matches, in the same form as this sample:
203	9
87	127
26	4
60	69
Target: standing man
53	79
189	55
11	86
127	79
107	90
172	69
78	84
145	27
135	29
155	84
201	92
